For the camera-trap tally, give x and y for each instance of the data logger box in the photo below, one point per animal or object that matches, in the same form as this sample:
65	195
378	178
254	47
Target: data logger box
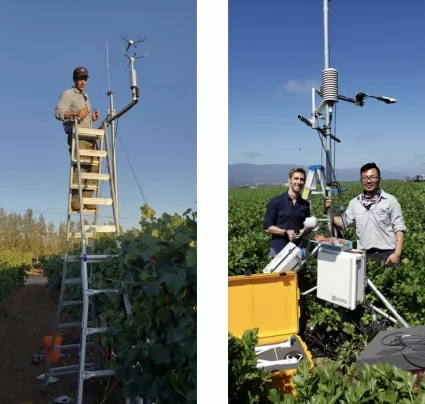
341	277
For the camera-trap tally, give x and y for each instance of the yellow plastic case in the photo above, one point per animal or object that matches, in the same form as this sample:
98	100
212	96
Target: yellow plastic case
269	302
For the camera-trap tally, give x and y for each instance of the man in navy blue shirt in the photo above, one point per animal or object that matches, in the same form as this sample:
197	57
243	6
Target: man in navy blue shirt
286	213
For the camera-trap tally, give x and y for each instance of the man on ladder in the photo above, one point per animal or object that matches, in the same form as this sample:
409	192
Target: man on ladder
74	104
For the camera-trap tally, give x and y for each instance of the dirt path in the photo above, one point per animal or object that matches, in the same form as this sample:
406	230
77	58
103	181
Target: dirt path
31	311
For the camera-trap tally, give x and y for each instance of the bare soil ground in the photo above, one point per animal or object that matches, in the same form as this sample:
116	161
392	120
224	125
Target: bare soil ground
30	315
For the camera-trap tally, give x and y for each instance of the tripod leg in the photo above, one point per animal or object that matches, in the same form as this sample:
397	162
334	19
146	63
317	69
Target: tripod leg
382	313
387	304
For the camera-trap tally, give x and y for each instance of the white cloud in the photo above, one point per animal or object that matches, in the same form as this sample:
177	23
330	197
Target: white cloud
301	87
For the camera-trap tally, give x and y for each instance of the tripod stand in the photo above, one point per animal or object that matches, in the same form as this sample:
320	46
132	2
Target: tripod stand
361	282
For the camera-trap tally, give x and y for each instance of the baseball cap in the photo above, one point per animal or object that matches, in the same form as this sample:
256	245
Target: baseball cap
80	72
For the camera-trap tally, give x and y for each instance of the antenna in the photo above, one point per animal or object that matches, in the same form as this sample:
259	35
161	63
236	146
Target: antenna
107	66
329	94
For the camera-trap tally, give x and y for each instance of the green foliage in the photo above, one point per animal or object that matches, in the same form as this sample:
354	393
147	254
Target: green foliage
247	383
157	266
326	384
13	267
372	384
330	331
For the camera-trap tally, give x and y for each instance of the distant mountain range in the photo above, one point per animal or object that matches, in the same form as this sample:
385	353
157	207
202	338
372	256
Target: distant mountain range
245	173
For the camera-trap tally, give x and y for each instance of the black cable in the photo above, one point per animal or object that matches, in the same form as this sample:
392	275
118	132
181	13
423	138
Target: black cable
407	341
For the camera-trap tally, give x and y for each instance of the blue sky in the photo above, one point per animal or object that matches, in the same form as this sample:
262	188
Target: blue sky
42	42
276	53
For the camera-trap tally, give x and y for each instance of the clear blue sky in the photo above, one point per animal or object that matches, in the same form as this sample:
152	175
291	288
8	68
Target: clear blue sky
276	52
42	42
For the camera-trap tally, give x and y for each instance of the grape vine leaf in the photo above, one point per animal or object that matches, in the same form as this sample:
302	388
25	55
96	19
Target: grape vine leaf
175	281
160	354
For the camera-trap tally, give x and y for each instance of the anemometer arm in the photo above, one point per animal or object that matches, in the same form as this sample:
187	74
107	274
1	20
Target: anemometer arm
133	80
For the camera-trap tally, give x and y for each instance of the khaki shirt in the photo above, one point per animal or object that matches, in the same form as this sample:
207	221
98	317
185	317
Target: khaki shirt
375	226
73	99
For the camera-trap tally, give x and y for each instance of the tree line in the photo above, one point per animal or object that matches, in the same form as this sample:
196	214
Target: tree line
28	233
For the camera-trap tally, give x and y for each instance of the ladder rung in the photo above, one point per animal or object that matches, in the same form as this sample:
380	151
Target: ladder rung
70	325
97	201
94	176
86	234
73	281
92	292
88	374
90	258
63	370
92	153
66	346
89	132
90	187
100	228
85	211
96	330
72	303
86	161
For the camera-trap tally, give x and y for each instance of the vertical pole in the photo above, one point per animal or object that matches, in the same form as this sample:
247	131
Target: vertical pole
328	172
113	166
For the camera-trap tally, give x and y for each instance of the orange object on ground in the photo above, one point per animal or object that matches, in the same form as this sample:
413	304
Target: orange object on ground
56	354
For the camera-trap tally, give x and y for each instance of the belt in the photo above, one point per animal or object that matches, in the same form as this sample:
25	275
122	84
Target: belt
377	250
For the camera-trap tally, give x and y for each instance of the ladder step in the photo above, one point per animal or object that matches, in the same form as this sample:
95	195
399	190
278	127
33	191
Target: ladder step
97	201
96	330
63	370
94	176
73	281
89	187
90	258
69	346
72	303
100	228
85	211
86	161
85	155
69	325
87	234
90	133
92	292
98	373
92	153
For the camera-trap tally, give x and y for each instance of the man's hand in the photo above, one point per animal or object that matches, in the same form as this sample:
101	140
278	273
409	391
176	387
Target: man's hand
82	114
327	204
394	258
291	234
96	115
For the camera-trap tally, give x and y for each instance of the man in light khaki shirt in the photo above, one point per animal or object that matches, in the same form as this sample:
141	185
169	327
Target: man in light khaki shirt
378	217
74	104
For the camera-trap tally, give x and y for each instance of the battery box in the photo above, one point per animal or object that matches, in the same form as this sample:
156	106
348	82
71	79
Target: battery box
270	302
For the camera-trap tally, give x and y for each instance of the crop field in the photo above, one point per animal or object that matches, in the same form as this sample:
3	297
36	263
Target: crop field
336	334
156	265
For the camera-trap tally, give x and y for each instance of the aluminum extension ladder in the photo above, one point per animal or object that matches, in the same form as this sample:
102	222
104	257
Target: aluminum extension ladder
78	156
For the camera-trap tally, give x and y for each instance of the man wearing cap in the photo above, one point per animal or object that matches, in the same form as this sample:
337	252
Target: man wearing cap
74	104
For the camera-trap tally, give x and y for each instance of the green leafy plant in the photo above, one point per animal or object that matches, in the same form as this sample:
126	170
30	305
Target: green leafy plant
155	344
247	383
328	330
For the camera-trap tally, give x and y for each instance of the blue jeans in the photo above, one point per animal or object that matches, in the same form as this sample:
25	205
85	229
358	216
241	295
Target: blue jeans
272	253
